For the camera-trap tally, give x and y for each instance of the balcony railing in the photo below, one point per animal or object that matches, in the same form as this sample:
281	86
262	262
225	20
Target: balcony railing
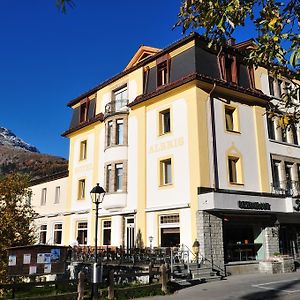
116	106
287	187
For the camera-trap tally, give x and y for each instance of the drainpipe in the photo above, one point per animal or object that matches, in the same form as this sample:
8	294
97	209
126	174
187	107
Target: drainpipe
214	142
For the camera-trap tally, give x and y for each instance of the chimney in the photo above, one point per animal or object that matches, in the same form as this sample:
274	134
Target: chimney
231	41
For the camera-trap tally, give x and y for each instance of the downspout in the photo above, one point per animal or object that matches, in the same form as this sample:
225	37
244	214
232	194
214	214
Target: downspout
214	142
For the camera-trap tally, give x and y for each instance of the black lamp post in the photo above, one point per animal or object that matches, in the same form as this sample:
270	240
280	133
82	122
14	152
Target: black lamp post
96	193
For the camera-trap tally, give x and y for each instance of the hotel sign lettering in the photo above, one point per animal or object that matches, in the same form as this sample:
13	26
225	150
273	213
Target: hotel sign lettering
254	205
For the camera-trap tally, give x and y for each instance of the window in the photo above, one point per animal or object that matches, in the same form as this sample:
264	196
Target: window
162	74
57	194
43	234
83	150
271	128
43	196
228	67
280	88
120	98
108	179
271	86
83	111
294	134
57	236
169	230
166	172
231	121
275	173
120	132
81	189
82	230
234	169
119	177
106	230
165	121
109	133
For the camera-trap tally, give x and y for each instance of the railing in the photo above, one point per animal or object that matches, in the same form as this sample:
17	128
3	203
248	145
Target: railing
287	187
116	106
120	255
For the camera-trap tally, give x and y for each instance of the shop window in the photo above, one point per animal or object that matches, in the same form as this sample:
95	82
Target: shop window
162	74
109	133
57	233
119	177
83	150
120	132
57	195
234	169
106	233
81	189
166	172
82	231
231	119
44	196
43	234
164	121
169	230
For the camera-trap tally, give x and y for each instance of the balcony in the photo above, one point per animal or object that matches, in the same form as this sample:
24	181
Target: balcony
287	188
116	106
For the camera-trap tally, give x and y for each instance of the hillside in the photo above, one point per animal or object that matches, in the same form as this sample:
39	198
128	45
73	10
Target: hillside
19	156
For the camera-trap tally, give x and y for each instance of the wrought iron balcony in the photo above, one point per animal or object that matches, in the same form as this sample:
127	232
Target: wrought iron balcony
287	187
116	106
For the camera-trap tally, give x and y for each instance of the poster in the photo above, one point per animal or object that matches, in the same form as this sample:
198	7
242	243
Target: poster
40	258
47	268
47	258
32	270
26	259
12	260
55	255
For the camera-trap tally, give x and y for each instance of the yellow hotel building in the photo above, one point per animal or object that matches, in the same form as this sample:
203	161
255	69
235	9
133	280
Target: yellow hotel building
181	143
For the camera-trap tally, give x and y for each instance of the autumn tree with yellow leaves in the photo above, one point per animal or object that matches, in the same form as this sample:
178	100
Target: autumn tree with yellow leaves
277	39
16	217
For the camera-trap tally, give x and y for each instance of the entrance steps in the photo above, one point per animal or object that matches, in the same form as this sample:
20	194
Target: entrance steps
192	274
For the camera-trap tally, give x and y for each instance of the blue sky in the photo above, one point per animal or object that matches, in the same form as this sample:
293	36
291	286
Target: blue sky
47	58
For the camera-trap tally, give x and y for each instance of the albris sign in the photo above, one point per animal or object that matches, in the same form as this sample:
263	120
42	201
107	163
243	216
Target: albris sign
254	205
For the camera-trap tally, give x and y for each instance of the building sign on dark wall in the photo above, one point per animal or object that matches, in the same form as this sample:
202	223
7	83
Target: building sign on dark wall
254	205
296	205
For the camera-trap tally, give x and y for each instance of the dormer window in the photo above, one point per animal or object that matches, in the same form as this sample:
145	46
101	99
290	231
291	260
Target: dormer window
229	68
162	74
83	111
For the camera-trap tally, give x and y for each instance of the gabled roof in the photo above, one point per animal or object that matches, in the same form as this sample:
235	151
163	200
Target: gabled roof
142	53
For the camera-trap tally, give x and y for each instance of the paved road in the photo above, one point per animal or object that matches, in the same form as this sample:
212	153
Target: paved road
243	287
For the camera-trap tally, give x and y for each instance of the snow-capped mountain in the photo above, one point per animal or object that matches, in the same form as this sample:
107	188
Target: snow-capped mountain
9	139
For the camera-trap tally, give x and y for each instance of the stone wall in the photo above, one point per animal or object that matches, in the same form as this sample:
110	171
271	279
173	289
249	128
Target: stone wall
210	237
271	241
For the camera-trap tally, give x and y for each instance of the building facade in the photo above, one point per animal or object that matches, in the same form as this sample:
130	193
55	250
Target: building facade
182	145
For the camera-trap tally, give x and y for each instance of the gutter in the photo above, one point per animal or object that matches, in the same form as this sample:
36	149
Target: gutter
214	140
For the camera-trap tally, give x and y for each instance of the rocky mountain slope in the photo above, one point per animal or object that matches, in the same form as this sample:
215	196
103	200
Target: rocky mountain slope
19	156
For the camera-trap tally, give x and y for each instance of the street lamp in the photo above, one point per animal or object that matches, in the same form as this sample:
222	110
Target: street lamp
96	193
195	247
